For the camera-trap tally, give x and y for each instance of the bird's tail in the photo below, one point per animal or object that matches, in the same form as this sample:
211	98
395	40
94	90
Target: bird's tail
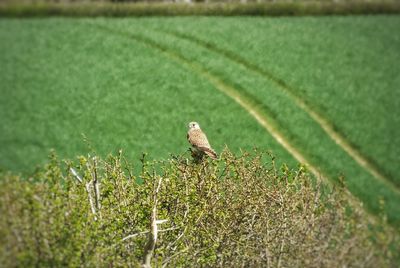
210	152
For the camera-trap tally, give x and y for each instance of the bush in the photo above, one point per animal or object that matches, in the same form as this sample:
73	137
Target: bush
238	211
284	8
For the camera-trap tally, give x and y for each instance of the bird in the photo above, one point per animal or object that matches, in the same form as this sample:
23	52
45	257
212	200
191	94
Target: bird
199	141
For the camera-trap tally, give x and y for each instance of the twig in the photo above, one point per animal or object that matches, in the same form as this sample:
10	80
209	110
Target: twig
158	189
177	239
152	236
173	256
134	235
96	185
186	211
87	186
145	232
151	240
73	171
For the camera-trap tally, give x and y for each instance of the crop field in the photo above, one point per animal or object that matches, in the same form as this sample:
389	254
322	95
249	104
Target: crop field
321	91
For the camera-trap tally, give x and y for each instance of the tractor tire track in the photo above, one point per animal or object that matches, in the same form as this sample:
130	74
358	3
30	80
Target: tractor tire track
247	101
369	165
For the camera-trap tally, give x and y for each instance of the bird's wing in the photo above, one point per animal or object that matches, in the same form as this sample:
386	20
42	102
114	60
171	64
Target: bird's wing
209	151
197	138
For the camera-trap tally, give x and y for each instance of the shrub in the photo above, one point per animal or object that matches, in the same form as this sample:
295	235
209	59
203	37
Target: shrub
111	9
238	211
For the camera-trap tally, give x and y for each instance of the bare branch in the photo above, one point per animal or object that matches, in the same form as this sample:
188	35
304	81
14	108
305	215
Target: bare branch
177	239
145	232
96	185
165	263
87	186
152	236
76	175
133	235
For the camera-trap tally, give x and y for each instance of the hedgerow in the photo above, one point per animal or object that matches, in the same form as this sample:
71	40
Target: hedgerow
237	211
124	9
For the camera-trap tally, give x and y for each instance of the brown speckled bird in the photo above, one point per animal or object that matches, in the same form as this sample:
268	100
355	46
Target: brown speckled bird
199	142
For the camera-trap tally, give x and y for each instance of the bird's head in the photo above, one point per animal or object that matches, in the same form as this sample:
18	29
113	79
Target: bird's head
194	125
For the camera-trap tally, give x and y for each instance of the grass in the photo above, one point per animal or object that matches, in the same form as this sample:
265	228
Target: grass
118	99
135	83
292	121
333	63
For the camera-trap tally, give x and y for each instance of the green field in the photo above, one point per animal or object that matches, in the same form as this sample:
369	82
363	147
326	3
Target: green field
136	83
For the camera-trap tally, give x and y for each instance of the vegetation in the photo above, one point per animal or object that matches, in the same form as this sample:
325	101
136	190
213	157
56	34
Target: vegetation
59	84
334	64
147	8
238	211
135	83
348	110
